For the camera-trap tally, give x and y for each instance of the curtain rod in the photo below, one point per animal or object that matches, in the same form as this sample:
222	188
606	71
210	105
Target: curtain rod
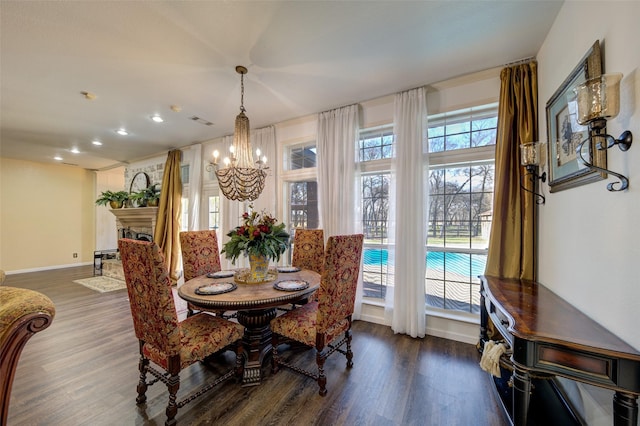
520	61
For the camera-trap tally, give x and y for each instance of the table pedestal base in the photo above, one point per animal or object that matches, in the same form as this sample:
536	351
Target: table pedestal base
256	342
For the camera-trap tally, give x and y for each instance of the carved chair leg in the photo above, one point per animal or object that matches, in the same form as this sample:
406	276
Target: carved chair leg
173	384
349	354
142	383
322	379
274	353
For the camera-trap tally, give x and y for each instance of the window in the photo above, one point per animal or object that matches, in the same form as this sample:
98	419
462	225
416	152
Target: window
213	217
302	157
301	188
375	209
303	205
376	144
461	172
376	148
300	181
460	201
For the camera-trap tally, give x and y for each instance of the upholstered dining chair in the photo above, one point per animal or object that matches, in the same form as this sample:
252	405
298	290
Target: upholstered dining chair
200	255
308	253
23	313
325	323
168	343
308	249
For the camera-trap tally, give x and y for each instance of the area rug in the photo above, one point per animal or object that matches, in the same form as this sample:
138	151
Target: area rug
102	284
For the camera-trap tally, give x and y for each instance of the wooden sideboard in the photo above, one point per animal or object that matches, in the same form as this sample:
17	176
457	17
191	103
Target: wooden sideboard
549	336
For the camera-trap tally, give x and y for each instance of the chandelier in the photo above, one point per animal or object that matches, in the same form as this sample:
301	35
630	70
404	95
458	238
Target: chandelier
240	178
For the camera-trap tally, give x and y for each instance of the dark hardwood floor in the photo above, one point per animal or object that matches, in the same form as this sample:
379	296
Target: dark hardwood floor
82	370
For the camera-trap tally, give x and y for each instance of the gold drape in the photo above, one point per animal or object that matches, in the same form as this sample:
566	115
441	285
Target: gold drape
512	244
169	210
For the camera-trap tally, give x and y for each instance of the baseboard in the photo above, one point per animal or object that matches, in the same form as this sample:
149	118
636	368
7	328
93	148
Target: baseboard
47	268
446	328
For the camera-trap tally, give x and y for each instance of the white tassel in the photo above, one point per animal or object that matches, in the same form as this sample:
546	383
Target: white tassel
490	361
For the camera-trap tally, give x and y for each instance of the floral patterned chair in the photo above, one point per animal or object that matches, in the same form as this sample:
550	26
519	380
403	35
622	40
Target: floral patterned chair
326	323
170	344
200	255
23	313
308	253
308	249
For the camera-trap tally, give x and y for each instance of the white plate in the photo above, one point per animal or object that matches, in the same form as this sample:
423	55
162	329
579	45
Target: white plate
221	274
285	269
215	288
291	285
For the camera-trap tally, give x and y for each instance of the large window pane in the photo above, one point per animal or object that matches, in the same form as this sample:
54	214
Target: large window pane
303	205
375	209
214	212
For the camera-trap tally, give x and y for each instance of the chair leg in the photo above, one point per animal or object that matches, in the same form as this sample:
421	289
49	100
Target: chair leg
275	341
173	384
349	354
322	379
142	383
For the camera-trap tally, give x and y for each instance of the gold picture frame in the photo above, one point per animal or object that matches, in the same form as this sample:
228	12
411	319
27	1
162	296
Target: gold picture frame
564	133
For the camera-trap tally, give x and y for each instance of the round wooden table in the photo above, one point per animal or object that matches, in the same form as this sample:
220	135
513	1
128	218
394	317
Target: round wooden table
256	306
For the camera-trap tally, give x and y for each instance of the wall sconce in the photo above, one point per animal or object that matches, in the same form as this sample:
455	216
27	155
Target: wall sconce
530	157
598	99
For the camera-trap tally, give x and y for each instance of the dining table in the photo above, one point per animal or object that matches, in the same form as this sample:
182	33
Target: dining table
256	305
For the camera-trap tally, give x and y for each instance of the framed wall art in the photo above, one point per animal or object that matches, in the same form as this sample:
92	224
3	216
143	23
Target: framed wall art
564	134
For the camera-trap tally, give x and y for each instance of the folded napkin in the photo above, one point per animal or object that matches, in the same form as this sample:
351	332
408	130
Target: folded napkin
490	361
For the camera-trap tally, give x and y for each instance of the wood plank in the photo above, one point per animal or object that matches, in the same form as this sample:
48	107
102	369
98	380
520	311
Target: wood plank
83	370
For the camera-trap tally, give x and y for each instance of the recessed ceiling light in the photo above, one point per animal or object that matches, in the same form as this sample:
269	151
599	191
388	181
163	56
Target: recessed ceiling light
157	118
97	143
57	158
75	150
122	132
88	95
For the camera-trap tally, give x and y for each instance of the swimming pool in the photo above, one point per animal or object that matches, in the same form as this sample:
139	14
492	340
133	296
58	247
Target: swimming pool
461	263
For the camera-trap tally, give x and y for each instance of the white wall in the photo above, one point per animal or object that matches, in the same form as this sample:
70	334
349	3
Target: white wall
106	232
589	237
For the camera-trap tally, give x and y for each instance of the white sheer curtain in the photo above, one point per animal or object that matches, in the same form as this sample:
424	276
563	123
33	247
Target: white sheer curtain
194	159
338	194
405	300
265	140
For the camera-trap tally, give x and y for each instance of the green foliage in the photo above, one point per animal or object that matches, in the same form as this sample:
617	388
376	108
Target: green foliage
108	196
148	196
258	235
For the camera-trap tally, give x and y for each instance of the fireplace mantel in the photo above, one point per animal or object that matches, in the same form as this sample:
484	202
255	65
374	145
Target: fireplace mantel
142	219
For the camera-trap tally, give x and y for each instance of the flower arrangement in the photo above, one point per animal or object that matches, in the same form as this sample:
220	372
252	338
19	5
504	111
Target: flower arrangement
259	235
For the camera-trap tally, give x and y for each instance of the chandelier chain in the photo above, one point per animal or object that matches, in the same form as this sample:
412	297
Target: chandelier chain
242	93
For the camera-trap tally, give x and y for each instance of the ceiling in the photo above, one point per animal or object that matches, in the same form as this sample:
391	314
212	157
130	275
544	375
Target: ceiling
139	58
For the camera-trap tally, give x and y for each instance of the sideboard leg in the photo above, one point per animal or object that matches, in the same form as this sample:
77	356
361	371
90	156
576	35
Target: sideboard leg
625	409
484	320
521	396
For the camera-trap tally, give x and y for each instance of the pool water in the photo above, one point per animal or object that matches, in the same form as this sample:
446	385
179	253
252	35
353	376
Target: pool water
461	263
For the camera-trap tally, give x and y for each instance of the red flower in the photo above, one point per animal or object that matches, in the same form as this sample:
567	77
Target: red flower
256	233
264	229
241	230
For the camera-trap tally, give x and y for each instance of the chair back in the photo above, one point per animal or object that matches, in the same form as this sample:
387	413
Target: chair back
155	320
200	254
308	249
337	293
